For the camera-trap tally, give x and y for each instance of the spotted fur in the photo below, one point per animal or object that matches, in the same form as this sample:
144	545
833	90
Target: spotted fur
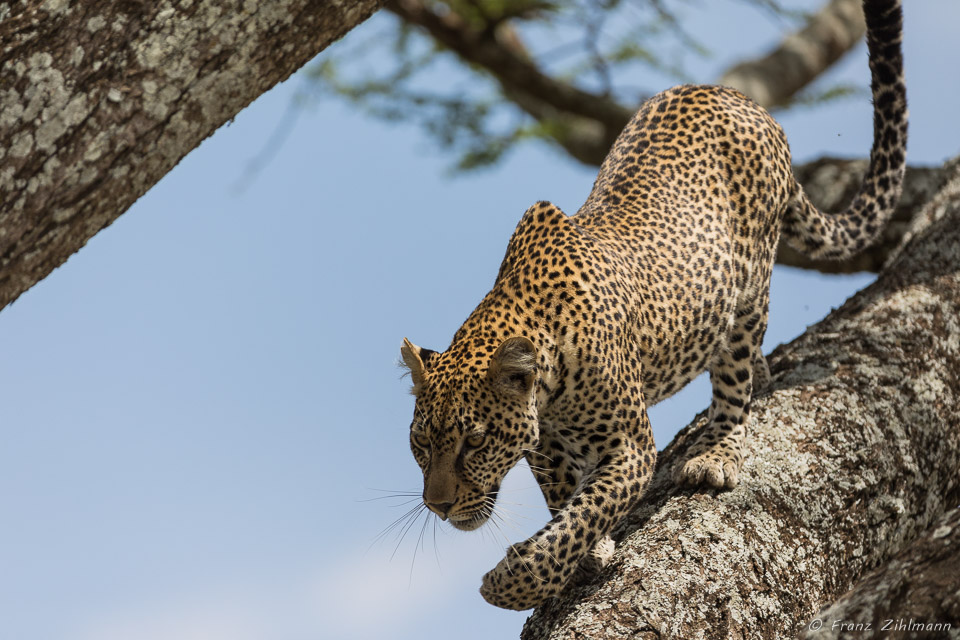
663	273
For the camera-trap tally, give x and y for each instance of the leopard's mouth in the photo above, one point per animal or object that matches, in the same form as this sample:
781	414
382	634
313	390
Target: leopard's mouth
477	517
469	521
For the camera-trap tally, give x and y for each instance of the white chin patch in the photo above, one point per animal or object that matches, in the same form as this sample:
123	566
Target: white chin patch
468	523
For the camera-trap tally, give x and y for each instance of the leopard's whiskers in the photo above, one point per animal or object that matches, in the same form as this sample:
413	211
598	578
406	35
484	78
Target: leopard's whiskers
527	489
506	516
419	544
399	522
410	523
535	452
499	508
407	496
541	473
436	548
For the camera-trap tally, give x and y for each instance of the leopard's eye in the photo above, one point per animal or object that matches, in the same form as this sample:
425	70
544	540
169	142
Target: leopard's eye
420	440
476	440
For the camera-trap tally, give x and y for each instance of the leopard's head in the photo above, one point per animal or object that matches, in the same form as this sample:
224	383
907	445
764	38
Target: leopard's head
475	415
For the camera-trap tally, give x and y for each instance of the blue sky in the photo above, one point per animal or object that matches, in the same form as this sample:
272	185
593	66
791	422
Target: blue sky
201	404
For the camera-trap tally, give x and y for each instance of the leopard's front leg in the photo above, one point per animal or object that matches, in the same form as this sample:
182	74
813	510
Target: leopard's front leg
558	470
541	566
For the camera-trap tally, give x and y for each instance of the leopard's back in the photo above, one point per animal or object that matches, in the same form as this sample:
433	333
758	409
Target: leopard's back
691	197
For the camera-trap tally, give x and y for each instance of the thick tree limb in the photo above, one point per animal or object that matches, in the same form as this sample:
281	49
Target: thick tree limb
100	99
801	57
853	452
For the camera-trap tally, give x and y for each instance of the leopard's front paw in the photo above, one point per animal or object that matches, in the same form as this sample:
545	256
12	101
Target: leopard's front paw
523	579
719	469
761	373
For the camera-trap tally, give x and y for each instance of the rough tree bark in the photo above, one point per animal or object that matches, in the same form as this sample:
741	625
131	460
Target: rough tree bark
100	99
854	451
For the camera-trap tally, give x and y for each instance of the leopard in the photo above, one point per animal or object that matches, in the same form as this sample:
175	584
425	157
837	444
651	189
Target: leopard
663	273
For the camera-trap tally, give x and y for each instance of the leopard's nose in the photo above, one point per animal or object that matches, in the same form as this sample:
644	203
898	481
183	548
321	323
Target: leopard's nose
440	508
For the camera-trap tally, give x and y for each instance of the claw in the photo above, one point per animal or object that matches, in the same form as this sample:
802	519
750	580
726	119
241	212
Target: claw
708	469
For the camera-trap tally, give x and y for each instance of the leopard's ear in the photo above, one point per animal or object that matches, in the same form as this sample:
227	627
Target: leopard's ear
513	367
412	359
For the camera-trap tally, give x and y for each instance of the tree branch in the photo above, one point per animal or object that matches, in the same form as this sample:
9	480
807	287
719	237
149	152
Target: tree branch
854	450
775	78
100	99
582	123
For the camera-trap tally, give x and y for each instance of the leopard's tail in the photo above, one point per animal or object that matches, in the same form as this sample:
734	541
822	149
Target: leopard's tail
838	236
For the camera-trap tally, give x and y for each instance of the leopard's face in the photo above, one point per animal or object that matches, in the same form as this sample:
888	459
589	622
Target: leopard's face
468	431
